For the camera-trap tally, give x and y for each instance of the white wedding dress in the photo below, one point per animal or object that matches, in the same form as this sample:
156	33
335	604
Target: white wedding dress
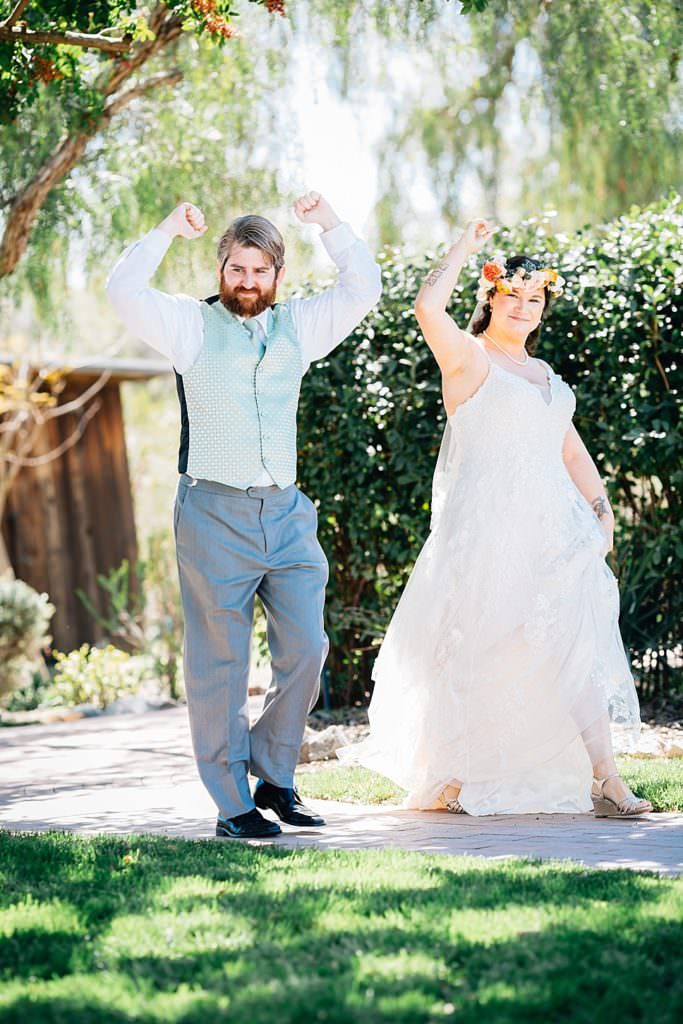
505	644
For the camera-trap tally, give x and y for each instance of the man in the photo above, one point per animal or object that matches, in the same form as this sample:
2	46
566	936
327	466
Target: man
242	526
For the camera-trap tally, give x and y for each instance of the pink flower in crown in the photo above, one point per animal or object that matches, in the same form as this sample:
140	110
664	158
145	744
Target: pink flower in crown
537	279
517	279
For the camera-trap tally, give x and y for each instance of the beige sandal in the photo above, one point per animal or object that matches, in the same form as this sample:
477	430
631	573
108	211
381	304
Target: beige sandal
605	807
451	804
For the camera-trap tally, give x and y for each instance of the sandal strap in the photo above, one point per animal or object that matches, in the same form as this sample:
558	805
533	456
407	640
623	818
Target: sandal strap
452	804
601	782
628	804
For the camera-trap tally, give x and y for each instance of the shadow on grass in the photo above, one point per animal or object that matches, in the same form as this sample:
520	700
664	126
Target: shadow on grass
352	936
99	874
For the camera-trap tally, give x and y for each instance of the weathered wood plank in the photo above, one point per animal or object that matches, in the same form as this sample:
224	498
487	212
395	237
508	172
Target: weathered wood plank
70	519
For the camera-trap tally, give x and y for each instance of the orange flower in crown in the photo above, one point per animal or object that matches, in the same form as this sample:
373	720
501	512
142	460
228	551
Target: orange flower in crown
493	269
527	274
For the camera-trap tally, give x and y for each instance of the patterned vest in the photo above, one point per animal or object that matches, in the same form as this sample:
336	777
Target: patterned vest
238	411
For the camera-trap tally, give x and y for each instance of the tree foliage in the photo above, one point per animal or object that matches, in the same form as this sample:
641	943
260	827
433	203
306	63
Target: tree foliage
80	63
564	104
98	143
512	107
71	47
371	421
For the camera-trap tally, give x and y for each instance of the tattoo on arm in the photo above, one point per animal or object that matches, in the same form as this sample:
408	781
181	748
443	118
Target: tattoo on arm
434	276
600	507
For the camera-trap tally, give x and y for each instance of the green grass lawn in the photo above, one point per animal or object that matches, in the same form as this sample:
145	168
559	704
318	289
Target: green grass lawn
112	930
659	780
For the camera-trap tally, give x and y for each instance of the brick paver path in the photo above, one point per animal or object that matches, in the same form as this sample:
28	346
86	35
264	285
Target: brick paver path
135	773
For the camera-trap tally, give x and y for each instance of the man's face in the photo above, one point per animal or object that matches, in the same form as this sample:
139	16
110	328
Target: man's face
248	283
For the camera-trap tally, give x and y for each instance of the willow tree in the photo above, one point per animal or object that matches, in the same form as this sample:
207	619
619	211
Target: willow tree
75	66
112	110
560	103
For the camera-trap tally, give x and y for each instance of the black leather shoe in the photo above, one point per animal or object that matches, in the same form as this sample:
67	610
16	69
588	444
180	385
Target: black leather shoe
251	825
286	803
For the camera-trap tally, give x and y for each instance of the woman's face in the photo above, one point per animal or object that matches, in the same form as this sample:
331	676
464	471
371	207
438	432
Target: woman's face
518	313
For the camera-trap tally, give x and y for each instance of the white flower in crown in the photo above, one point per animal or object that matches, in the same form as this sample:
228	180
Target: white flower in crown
557	284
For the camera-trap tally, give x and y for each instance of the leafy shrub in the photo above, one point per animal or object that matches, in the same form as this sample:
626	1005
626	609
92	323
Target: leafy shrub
371	419
37	692
124	616
96	675
24	619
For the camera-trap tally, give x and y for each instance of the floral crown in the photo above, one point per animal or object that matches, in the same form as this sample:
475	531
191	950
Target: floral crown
527	275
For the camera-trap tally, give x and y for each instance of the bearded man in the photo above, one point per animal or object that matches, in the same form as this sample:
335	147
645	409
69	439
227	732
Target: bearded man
242	526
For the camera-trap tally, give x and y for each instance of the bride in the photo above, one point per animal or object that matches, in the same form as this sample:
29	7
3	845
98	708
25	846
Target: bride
502	672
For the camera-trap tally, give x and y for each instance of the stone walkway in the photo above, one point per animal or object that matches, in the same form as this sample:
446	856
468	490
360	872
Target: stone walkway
135	774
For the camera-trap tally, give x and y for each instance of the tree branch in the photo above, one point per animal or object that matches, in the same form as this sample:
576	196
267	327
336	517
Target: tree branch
23	212
69	442
124	98
15	14
30	37
166	27
83	399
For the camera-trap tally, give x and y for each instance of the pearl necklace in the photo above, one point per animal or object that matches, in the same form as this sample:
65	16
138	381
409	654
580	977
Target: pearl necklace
519	362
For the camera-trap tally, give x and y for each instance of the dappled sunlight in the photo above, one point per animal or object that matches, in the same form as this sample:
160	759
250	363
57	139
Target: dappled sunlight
174	930
31	915
177	934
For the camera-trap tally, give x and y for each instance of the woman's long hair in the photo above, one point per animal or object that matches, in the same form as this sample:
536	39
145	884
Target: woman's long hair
484	319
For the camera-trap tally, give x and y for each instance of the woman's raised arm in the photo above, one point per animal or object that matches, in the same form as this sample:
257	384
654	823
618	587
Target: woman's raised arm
449	343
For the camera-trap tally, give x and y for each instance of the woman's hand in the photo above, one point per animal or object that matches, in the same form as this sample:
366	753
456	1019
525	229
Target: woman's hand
476	235
601	507
607	526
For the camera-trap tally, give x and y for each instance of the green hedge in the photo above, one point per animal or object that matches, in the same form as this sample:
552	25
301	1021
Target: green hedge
371	420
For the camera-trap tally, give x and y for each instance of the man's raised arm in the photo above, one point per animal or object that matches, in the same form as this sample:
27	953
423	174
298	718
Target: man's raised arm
323	321
170	324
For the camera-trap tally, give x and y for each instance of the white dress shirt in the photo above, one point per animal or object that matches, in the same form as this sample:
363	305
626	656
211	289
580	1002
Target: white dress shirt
172	324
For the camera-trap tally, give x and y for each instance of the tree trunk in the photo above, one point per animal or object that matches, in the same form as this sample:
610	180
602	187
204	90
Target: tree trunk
24	210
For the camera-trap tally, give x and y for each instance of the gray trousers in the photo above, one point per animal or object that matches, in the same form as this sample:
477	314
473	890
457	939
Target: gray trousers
231	545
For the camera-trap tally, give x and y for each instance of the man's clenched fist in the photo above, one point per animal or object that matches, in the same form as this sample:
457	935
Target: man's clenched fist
312	208
186	220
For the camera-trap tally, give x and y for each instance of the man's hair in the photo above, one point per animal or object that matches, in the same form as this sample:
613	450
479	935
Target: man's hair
256	232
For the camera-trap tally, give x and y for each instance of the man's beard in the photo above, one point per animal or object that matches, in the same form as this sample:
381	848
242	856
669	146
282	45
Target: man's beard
247	303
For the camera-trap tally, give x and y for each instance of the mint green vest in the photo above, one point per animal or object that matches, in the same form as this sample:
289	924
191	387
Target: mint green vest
241	410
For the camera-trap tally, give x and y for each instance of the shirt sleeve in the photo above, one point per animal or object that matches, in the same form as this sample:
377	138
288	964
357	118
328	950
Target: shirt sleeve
323	321
170	324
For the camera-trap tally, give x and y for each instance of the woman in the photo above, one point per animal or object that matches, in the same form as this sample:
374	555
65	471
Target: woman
503	664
